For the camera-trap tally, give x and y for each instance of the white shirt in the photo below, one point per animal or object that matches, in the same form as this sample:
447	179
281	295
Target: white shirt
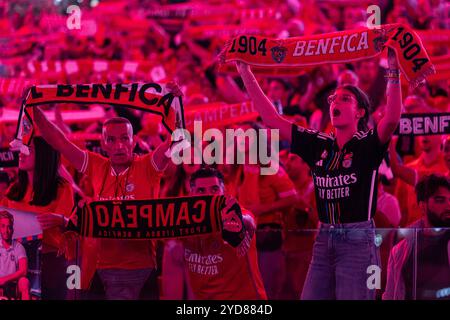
9	258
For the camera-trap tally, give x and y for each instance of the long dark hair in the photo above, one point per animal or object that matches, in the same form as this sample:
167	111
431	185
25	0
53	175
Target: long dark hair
46	178
363	103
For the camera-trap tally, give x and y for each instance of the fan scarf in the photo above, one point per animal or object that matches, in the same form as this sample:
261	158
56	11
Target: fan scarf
336	47
219	114
135	96
160	219
424	124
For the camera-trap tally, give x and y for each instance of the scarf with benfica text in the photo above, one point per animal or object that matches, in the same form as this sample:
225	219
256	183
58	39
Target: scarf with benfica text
145	97
336	47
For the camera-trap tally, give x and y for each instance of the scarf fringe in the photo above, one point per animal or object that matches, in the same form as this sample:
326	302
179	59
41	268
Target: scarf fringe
221	57
414	83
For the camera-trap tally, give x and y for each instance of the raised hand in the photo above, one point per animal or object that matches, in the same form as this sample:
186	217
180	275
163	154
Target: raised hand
51	220
174	88
242	67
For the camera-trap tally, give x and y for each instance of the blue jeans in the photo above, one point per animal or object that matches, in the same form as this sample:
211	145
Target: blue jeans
121	284
338	269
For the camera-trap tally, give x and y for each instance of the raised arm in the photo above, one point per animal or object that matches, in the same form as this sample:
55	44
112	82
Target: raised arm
160	159
389	122
56	138
263	105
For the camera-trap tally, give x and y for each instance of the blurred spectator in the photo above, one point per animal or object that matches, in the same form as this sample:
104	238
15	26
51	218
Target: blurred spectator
278	93
421	273
348	77
299	223
372	81
4	183
132	45
407	146
42	190
13	259
271	196
447	154
431	160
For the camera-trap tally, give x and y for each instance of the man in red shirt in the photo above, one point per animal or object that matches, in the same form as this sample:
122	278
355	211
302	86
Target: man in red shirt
123	265
216	270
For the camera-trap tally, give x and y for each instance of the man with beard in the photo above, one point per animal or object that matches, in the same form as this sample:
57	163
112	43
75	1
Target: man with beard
419	266
210	267
13	259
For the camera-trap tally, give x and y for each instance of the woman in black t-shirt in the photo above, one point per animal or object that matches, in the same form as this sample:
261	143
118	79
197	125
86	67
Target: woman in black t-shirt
344	167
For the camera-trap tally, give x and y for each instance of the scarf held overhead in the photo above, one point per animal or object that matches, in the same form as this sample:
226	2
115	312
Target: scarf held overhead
336	47
145	97
158	218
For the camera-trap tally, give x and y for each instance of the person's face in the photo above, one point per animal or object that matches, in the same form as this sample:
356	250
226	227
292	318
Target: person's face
421	91
344	110
207	186
348	77
447	153
413	104
118	142
295	30
323	76
150	123
438	208
9	131
6	229
430	143
26	162
276	91
367	71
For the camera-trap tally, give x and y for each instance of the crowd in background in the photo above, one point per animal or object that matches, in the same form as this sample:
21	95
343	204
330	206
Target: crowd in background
179	45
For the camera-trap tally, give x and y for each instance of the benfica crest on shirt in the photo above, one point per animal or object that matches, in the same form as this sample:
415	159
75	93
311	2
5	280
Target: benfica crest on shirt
347	162
129	187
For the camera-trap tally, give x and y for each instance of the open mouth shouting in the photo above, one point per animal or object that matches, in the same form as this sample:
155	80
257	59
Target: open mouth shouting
336	113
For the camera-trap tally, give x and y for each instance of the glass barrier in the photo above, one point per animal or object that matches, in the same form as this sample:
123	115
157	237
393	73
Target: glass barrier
355	263
330	263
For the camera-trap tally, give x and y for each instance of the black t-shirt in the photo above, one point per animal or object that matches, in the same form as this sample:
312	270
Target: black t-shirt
345	180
